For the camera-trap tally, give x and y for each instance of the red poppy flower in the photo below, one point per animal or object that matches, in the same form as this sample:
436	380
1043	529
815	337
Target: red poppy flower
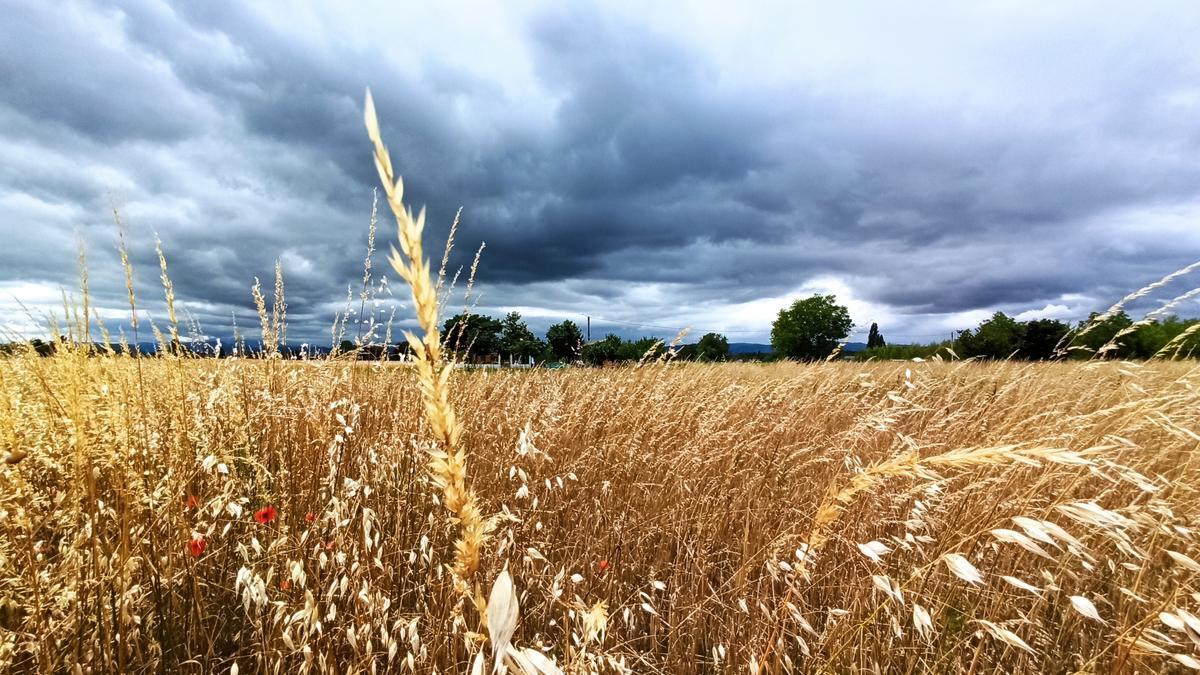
329	545
265	515
285	584
196	546
603	565
309	517
193	501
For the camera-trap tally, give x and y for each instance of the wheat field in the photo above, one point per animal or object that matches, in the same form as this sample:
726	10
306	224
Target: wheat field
270	515
681	518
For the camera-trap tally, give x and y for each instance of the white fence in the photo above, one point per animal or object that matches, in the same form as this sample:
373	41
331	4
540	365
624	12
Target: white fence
512	363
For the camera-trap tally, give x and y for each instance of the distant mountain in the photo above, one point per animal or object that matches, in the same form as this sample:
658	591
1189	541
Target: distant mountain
749	348
759	348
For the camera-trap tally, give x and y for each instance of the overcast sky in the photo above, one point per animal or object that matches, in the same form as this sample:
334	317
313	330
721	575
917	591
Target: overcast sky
702	165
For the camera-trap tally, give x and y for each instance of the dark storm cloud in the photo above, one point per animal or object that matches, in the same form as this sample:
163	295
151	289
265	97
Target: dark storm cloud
637	170
60	71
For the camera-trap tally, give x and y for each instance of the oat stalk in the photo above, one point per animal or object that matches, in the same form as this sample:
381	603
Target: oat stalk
448	465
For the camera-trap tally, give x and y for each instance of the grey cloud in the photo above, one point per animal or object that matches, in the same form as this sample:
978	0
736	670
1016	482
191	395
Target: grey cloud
63	69
241	142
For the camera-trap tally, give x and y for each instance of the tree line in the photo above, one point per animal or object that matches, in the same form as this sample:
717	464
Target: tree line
1114	336
478	337
813	328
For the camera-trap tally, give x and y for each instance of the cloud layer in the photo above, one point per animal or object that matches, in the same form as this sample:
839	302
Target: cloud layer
641	165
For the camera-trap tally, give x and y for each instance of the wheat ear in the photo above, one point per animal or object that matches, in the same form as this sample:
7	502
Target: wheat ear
911	464
448	466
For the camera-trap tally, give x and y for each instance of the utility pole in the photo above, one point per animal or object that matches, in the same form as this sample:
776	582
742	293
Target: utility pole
589	328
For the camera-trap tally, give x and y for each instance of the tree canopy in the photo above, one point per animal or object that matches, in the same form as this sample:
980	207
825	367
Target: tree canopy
636	349
712	347
811	328
875	338
1115	336
1043	338
602	351
565	340
998	338
472	334
517	340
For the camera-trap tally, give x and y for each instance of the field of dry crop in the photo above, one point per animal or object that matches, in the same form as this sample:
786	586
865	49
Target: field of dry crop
163	514
270	515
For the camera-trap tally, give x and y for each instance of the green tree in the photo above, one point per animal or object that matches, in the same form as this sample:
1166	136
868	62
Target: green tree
875	338
1100	333
565	340
472	334
400	350
1145	341
997	338
1042	337
42	348
517	340
1148	340
905	352
1167	332
810	328
634	350
601	351
712	347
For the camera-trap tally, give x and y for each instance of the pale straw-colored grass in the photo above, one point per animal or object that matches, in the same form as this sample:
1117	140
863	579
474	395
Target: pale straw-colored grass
672	502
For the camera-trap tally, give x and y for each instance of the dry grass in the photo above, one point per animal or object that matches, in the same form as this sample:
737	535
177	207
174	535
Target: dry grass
267	515
673	500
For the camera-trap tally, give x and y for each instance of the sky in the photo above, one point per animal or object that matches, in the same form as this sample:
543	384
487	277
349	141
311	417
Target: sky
652	165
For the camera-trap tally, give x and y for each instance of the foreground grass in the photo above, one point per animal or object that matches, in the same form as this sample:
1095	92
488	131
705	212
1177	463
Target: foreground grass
688	518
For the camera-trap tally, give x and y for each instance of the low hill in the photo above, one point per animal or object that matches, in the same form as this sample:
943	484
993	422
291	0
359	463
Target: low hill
749	348
759	348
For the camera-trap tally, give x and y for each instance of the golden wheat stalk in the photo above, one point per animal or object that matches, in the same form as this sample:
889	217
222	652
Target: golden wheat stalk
169	290
260	304
912	465
1141	292
1177	342
279	310
448	466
